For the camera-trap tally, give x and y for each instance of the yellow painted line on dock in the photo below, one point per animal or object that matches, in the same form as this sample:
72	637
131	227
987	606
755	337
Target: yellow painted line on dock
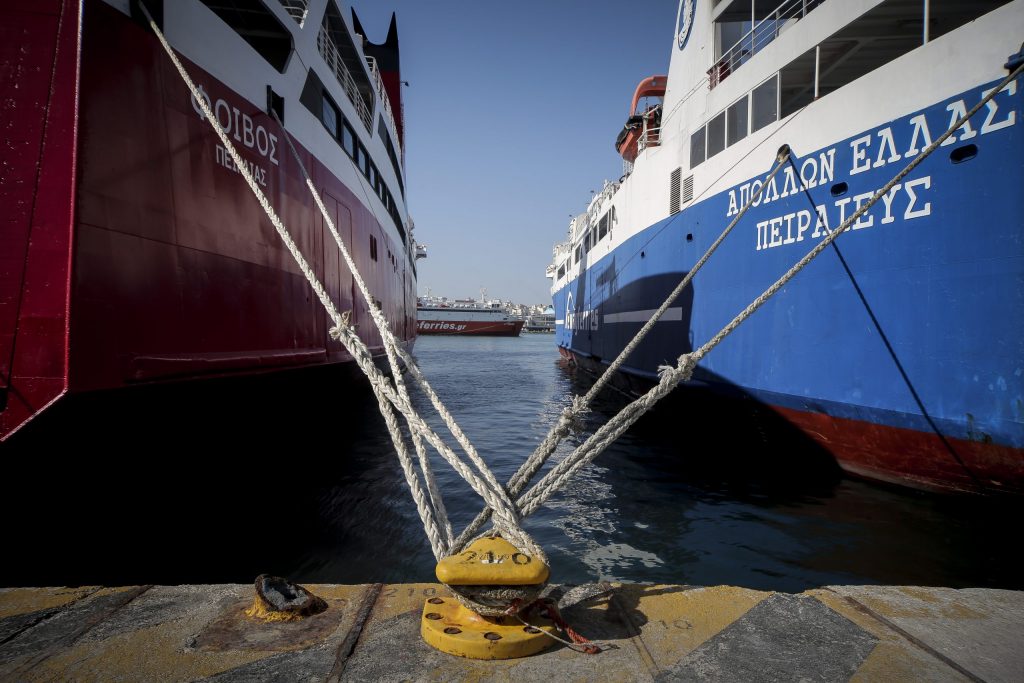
17	601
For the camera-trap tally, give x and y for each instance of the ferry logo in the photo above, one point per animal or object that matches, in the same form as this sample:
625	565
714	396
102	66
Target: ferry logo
449	327
684	21
579	320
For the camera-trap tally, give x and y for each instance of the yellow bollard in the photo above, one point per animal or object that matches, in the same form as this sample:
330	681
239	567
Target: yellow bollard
450	627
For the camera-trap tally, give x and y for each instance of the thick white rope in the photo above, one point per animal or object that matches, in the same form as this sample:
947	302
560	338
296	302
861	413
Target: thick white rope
486	487
508	520
572	414
395	348
574	411
390	342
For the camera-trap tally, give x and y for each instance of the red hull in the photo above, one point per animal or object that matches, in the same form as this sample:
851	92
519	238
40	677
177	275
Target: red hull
889	454
135	252
466	328
909	458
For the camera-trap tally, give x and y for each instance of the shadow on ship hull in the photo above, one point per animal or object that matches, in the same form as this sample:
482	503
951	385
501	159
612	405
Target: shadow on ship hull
729	440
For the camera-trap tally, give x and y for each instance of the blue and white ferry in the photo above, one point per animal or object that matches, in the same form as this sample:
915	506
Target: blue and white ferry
900	349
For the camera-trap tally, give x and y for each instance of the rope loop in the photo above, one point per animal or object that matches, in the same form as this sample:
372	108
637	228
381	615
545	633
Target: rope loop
681	372
571	419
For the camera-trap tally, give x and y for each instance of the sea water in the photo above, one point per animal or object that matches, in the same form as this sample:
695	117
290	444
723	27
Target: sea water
296	475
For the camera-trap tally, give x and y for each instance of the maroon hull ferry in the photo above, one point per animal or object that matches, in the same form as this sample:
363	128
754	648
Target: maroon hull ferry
132	251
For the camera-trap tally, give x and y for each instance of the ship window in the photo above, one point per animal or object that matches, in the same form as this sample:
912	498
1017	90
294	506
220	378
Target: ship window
796	84
764	101
330	116
716	135
372	177
736	121
389	145
364	161
373	248
578	254
697	147
348	140
377	182
561	271
256	25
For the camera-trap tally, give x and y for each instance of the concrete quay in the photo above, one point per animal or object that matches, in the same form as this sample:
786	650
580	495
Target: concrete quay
652	633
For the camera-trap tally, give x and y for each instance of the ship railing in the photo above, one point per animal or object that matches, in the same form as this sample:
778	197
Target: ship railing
296	9
385	99
650	137
329	51
762	33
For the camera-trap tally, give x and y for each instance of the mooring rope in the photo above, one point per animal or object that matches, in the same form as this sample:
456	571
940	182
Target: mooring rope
580	404
393	397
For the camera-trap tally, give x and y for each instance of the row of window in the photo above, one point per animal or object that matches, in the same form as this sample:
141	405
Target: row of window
750	113
389	145
342	131
825	68
592	237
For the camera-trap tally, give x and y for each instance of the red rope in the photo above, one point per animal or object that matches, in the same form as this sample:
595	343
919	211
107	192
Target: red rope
549	610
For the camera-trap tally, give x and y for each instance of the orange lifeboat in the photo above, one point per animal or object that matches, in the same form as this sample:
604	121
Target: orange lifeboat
640	123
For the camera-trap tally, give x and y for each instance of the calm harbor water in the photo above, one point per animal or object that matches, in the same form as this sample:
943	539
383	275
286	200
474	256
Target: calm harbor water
302	481
655	507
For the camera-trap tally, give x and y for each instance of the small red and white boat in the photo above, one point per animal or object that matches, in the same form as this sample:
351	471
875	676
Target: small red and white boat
466	318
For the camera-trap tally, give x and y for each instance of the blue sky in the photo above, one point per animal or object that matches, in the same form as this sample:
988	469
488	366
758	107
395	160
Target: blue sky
511	116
